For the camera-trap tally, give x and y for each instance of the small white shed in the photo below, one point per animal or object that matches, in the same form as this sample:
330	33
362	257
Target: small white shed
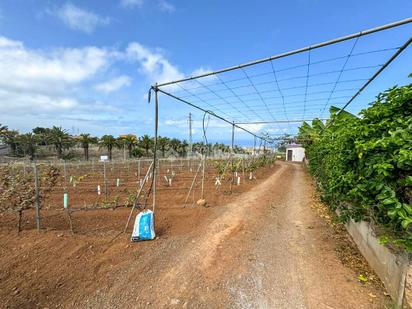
295	153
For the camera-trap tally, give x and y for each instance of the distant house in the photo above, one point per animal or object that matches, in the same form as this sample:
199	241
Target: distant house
295	153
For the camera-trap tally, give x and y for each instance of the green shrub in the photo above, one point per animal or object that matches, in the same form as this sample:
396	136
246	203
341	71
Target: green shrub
363	165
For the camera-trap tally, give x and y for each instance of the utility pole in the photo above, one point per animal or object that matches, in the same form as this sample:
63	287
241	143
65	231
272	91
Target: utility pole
190	135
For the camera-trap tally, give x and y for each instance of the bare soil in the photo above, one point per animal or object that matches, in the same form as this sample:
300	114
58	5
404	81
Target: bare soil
270	244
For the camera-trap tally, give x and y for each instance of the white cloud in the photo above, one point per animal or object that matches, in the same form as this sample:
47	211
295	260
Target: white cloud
203	70
254	128
130	4
80	19
31	103
54	85
162	5
114	84
30	70
153	64
35	80
166	6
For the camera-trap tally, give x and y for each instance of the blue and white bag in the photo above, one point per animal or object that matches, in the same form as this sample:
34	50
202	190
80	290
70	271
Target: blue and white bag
144	226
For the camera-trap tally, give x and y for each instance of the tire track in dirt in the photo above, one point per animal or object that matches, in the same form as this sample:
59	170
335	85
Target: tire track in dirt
200	255
266	249
295	265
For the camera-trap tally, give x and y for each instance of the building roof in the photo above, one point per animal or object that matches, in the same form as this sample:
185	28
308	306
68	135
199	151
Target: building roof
294	146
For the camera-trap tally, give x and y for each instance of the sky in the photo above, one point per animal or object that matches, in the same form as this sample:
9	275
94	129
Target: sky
87	65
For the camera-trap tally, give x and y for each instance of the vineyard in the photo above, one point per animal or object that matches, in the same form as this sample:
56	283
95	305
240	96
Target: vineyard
226	188
64	189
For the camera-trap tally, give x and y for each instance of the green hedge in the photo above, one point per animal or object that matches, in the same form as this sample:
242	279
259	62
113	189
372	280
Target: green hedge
363	165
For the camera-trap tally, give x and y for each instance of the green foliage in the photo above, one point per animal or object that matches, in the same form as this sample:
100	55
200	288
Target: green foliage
109	141
363	165
17	191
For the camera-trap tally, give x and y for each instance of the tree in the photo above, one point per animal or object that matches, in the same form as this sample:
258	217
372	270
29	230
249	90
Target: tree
85	140
28	143
182	147
146	143
130	141
199	147
3	129
43	135
175	144
109	142
163	143
9	137
60	139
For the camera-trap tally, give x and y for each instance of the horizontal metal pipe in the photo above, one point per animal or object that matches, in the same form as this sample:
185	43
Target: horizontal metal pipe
383	67
296	51
280	121
210	113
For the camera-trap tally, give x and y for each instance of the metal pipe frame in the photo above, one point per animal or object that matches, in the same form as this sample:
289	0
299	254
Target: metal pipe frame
156	88
383	67
296	51
281	121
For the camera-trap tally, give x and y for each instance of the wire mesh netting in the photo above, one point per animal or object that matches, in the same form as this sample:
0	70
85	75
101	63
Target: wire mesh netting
282	93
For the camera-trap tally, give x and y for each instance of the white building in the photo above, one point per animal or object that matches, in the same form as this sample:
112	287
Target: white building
295	153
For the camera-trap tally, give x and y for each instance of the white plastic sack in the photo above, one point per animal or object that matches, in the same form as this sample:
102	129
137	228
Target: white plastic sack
144	226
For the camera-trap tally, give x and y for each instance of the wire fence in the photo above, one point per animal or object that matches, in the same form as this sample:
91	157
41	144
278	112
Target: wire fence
45	188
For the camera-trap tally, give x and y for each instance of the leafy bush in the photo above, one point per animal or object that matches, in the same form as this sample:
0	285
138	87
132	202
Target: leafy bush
363	165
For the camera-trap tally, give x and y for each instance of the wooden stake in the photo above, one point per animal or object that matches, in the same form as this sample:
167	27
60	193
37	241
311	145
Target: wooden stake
37	198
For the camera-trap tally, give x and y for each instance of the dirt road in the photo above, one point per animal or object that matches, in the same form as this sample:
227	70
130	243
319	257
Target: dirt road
268	248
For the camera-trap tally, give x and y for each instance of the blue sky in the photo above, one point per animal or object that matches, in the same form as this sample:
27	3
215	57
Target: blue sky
87	65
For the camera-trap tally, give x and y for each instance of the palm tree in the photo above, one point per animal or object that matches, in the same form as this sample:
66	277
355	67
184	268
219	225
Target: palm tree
3	129
43	135
146	143
85	140
60	139
109	142
175	144
28	143
163	143
182	147
199	147
130	141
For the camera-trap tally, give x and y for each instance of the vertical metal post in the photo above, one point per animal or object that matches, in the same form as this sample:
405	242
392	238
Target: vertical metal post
155	147
204	154
105	180
203	176
233	136
65	171
190	135
37	200
232	152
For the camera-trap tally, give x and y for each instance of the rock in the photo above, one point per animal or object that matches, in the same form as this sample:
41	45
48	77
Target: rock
201	202
174	301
